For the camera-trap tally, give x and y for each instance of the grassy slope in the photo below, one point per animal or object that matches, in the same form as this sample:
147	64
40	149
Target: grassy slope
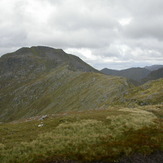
61	90
147	94
98	135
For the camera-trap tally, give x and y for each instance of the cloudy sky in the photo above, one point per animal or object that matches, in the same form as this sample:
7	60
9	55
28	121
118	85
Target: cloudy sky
105	33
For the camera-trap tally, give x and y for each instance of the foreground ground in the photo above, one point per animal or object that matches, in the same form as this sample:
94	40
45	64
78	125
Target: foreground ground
110	135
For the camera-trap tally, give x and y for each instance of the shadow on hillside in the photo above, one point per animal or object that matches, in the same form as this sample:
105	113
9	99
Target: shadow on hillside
156	157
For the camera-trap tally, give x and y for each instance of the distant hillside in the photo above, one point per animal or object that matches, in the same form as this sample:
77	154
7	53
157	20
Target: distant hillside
136	74
110	71
153	67
157	74
146	94
42	80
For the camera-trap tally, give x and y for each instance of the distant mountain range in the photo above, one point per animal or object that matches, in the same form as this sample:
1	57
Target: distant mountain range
137	74
153	67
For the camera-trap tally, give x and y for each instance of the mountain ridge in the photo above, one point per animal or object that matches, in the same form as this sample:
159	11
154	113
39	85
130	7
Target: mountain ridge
136	73
32	84
153	67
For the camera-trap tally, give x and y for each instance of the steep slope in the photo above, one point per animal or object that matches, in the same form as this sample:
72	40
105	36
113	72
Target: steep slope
136	74
154	75
42	80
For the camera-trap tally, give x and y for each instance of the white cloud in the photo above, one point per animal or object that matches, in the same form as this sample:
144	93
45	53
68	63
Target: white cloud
125	21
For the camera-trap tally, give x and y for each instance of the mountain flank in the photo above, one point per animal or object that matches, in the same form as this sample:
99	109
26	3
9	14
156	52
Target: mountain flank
147	94
42	80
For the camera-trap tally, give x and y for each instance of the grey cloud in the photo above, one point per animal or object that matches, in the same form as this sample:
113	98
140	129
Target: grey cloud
90	24
145	28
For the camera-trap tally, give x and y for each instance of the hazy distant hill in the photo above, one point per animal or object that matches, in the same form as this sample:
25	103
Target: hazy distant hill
153	67
41	80
157	74
136	74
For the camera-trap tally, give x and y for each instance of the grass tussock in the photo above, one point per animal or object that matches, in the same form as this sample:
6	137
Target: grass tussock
104	135
132	118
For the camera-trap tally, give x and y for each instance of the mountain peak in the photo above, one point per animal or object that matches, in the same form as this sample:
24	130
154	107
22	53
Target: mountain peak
39	50
39	59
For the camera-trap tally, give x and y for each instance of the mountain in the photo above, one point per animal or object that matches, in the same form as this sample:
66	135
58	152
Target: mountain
42	80
136	74
157	74
153	67
27	63
41	59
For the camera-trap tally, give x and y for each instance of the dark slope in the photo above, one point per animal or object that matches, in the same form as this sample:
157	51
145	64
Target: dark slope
136	74
42	80
41	58
110	71
154	75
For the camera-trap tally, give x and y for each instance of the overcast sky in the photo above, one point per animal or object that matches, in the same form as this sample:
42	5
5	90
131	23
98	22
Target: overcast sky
115	34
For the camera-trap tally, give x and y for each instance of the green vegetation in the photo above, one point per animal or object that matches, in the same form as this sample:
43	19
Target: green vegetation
147	94
60	90
95	135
